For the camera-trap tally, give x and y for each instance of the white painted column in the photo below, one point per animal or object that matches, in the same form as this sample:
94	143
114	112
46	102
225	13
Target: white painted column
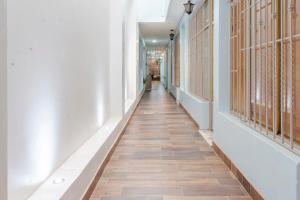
137	56
184	53
3	102
169	67
116	59
173	62
131	35
222	56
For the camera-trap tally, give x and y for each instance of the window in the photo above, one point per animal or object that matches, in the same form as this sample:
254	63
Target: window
201	52
265	66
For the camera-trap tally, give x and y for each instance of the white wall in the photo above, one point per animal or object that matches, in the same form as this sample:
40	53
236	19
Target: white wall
131	51
81	167
184	53
162	69
3	102
142	64
58	84
197	108
145	57
272	169
117	88
165	77
169	63
64	82
171	69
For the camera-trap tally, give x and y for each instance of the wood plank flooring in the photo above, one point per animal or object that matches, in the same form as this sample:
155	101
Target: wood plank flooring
161	156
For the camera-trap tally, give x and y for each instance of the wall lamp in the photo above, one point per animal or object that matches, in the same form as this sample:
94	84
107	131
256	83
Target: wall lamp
172	34
189	6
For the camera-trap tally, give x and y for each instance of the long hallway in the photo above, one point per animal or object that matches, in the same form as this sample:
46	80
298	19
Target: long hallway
161	156
221	122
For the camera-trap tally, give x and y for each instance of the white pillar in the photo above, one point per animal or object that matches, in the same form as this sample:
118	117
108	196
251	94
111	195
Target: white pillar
116	60
222	56
131	35
3	102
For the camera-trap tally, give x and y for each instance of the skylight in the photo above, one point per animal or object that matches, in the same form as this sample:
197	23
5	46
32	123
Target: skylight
152	10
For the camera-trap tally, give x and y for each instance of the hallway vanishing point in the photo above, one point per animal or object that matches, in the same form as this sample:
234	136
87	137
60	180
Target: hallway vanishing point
161	156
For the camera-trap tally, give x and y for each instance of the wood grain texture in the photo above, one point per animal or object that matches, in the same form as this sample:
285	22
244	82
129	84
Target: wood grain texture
241	178
161	156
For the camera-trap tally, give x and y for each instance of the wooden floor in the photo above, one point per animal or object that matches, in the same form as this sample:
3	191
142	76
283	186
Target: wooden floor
161	156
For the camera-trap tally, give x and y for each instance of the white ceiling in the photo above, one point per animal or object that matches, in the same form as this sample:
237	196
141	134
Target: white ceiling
156	25
158	31
152	10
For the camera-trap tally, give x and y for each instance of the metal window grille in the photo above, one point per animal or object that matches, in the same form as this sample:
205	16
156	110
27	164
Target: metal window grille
265	67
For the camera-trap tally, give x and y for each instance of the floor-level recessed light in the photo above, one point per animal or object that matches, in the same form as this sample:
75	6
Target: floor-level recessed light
59	181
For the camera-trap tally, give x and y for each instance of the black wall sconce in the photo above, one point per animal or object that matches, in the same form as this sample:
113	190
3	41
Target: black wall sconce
172	34
189	6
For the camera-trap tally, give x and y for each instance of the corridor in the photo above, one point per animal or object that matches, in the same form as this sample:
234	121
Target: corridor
161	156
80	119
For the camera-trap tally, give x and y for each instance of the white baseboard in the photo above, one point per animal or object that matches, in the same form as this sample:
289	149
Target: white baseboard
80	169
